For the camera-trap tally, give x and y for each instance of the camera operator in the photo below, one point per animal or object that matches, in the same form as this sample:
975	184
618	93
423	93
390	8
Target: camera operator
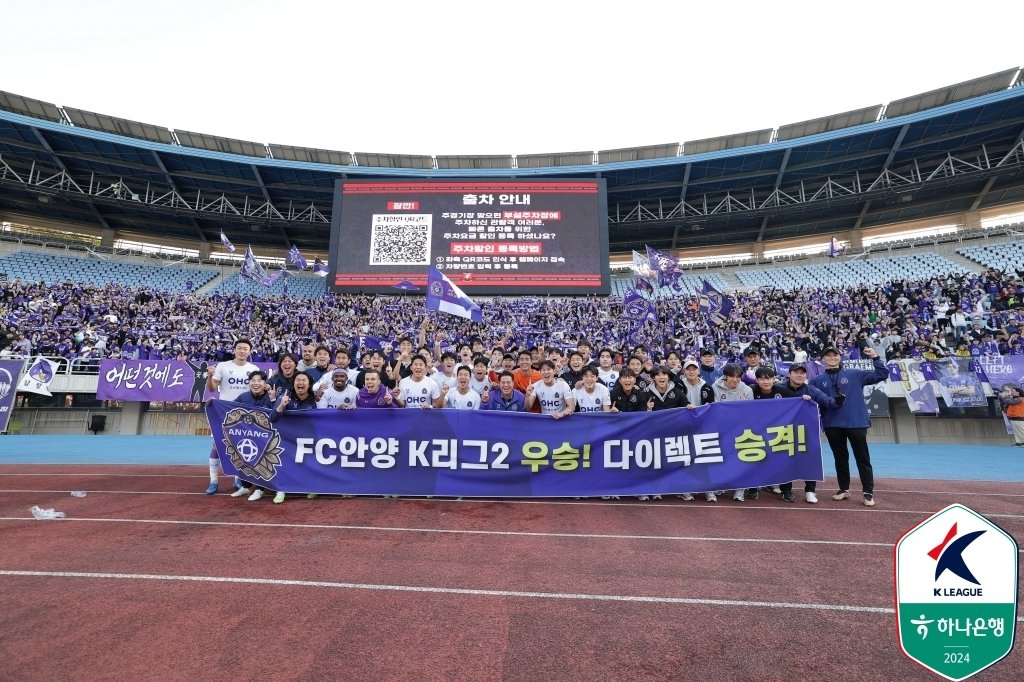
847	426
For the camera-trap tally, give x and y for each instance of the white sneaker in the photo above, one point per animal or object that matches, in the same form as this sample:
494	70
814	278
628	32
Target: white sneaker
655	497
776	490
241	491
739	495
256	494
841	495
279	498
810	498
711	497
610	497
643	498
685	496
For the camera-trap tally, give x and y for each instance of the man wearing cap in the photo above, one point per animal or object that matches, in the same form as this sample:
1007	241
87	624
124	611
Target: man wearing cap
846	427
753	357
796	386
340	394
708	372
698	392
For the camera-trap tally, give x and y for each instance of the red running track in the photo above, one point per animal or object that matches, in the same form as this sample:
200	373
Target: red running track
149	578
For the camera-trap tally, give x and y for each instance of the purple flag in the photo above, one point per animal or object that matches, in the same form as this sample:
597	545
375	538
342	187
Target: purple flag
10	370
443	295
296	258
320	268
227	243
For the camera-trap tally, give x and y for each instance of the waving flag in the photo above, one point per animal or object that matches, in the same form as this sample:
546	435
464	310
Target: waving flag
834	248
38	376
641	284
226	242
251	269
406	285
271	280
638	309
714	304
319	268
443	295
296	258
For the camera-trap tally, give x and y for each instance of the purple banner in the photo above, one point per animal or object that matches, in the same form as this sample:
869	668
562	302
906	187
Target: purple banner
467	453
158	380
10	371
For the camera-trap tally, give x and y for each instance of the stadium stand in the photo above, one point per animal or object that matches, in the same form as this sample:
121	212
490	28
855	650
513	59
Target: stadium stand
920	265
298	286
1007	257
34	266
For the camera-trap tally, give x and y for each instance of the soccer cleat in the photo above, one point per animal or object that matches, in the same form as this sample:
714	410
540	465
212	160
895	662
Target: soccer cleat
711	497
643	498
810	497
776	490
279	498
738	496
788	497
685	496
212	490
841	495
655	497
310	496
869	500
256	494
240	491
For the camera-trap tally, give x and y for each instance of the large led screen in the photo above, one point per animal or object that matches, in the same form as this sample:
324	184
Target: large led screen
489	236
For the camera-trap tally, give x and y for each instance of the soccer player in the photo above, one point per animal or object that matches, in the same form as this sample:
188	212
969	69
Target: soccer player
462	397
480	381
417	390
592	396
606	371
553	394
340	395
230	380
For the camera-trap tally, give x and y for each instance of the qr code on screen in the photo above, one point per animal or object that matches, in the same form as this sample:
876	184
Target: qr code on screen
400	242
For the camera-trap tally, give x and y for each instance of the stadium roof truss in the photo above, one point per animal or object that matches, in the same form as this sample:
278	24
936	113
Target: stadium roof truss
943	152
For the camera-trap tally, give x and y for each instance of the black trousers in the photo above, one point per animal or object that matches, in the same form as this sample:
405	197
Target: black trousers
809	487
838	438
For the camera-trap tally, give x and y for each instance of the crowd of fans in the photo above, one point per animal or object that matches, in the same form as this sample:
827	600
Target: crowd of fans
963	315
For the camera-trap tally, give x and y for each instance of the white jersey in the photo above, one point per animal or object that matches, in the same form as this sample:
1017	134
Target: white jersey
480	385
551	398
333	398
328	379
440	378
457	401
608	377
592	402
234	379
417	394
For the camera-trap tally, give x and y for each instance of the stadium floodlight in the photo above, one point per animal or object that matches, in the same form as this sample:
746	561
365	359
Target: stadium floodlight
654	151
376	160
953	93
26	106
826	124
555	159
474	161
118	126
715	144
215	143
310	155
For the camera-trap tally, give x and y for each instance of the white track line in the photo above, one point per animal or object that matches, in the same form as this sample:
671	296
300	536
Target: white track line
462	531
696	504
449	590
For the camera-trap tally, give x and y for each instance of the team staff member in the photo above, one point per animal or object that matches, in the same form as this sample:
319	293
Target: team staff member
229	380
848	424
553	394
504	398
698	393
525	376
258	395
708	372
300	398
373	394
796	386
730	387
626	397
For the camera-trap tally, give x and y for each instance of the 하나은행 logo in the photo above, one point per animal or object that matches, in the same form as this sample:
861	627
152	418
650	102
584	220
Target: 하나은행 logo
956	592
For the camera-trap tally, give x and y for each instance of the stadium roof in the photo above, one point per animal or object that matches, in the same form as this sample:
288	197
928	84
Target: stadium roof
951	150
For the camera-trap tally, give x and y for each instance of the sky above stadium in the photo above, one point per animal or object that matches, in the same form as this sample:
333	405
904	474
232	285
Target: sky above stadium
416	77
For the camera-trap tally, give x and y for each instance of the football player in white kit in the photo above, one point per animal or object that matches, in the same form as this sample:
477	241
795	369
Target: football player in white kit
592	396
554	395
462	397
418	390
229	380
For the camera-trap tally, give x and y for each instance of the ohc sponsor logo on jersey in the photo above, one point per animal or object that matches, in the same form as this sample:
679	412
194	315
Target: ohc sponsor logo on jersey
956	592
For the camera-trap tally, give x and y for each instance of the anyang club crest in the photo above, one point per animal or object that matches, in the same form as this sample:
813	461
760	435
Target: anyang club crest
253	444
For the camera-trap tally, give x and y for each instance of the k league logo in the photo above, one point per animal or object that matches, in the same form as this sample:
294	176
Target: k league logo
956	592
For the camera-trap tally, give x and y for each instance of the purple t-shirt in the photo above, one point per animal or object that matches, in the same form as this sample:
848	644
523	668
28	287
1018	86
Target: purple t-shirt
367	399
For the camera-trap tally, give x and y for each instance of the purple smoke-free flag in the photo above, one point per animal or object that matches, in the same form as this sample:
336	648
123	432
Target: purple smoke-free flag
638	309
319	268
